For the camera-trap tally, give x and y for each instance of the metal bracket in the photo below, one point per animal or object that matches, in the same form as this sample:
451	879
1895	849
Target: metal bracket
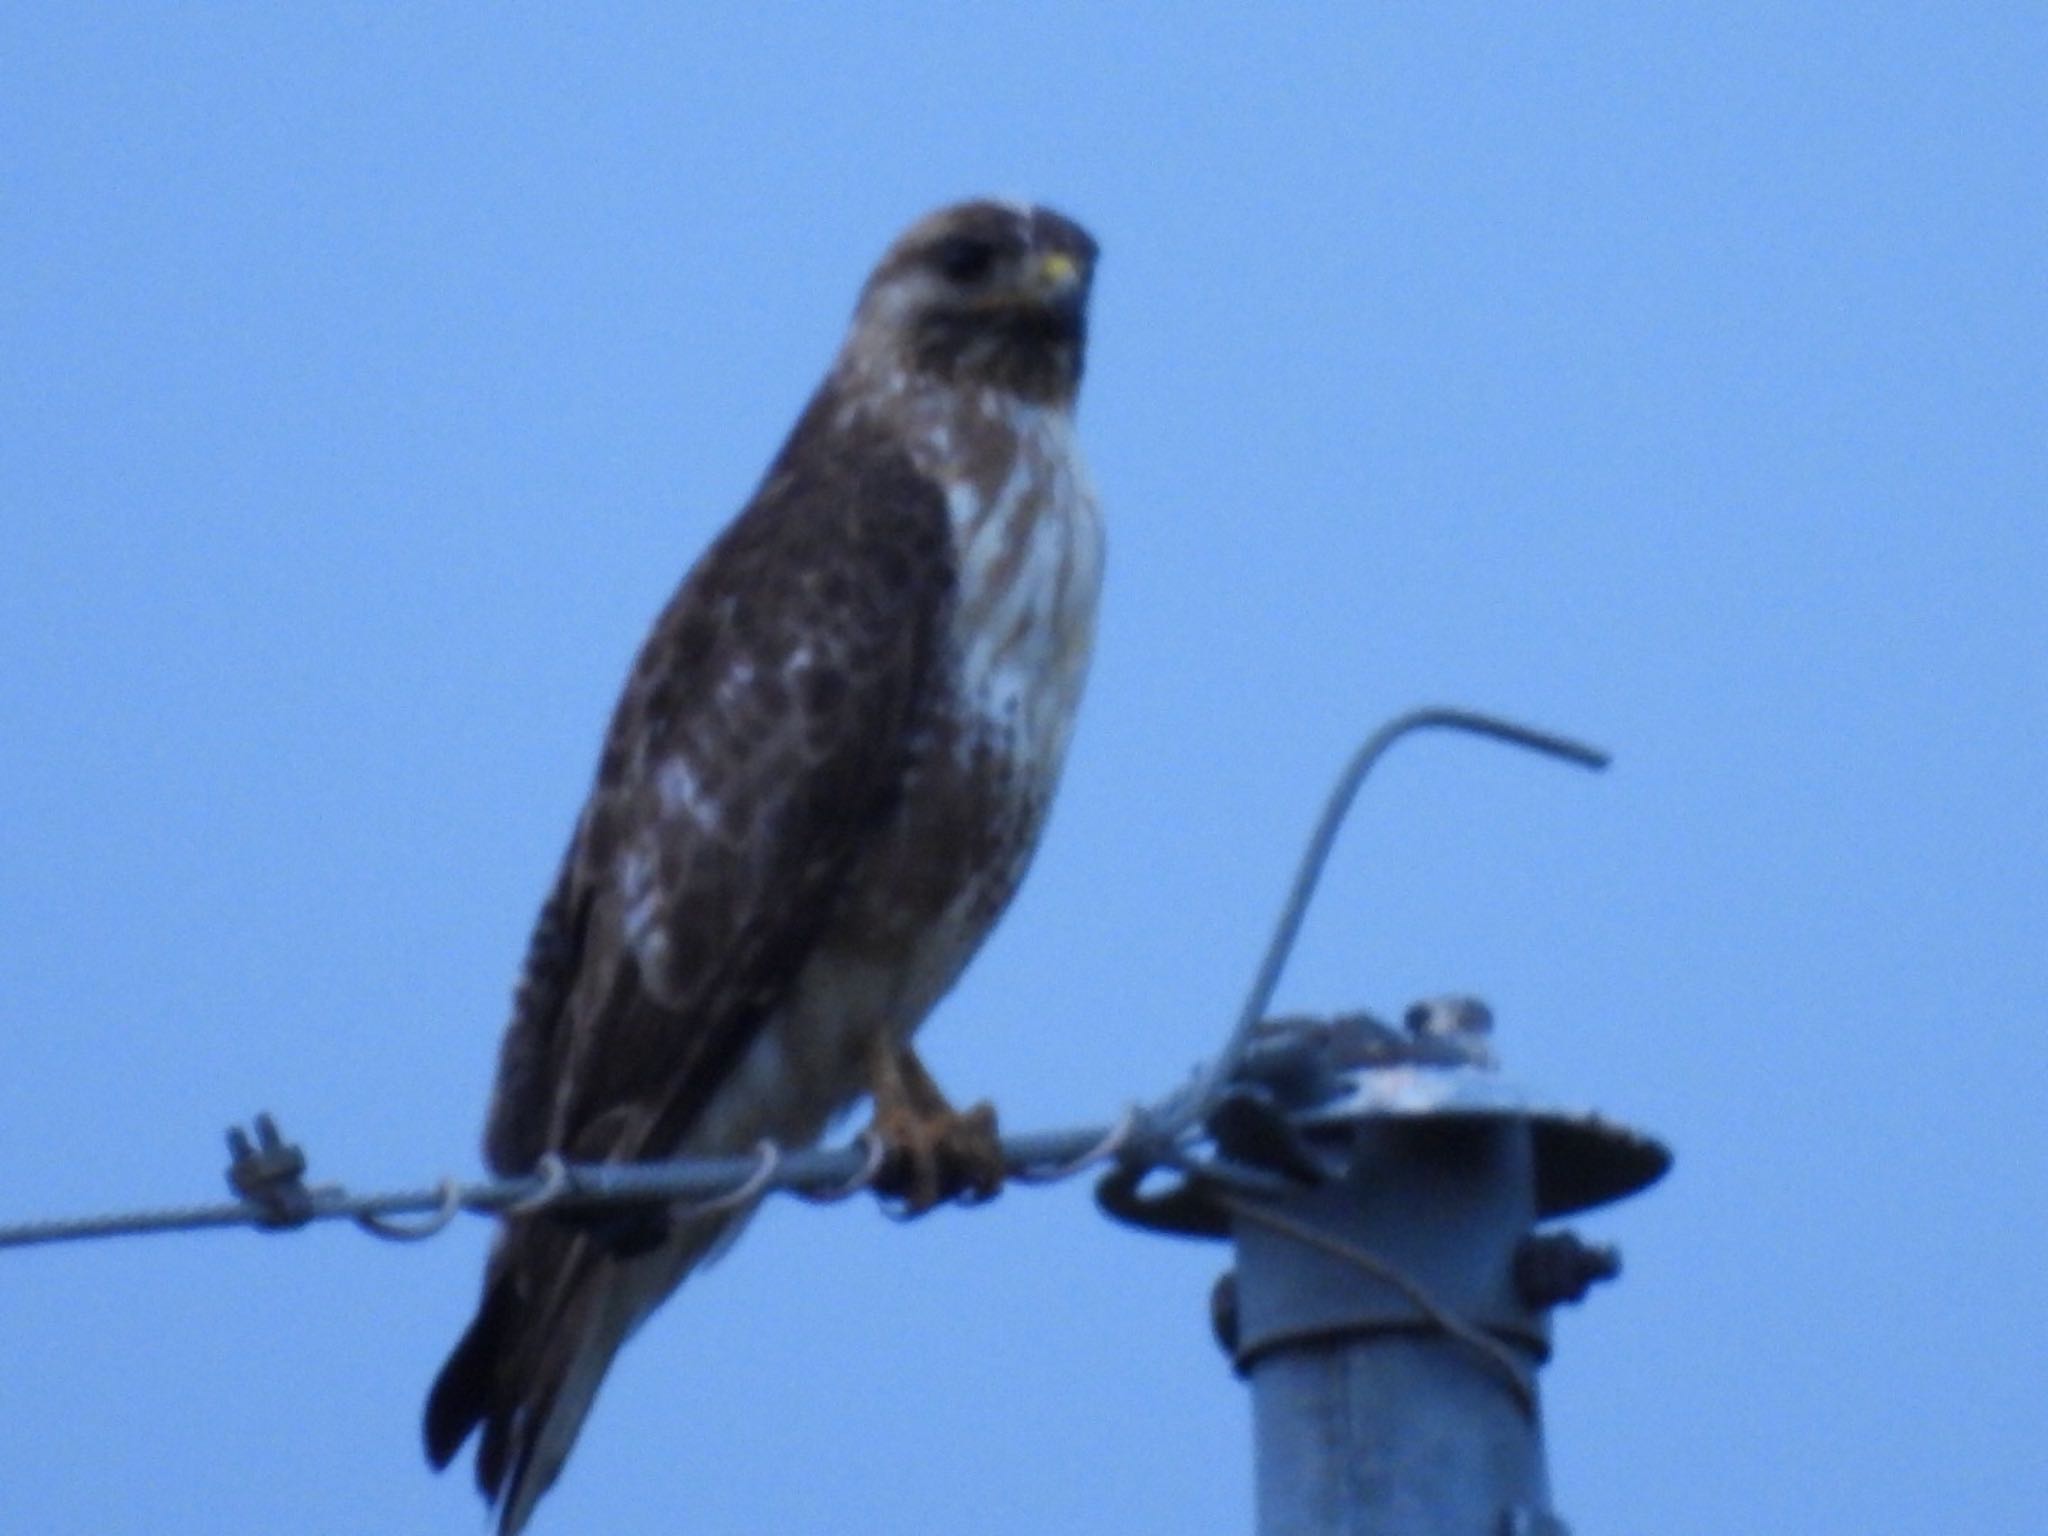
271	1173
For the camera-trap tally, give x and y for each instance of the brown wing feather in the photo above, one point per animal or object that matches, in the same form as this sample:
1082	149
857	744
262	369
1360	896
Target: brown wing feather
517	1133
760	741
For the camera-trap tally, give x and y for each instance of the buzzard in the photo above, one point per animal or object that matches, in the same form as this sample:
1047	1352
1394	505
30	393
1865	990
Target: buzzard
821	786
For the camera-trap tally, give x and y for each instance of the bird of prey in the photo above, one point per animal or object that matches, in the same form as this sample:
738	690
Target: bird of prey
828	770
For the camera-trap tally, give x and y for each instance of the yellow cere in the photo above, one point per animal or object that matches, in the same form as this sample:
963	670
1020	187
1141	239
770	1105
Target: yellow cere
1056	269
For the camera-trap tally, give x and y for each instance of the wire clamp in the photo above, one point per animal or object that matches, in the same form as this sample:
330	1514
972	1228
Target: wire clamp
270	1174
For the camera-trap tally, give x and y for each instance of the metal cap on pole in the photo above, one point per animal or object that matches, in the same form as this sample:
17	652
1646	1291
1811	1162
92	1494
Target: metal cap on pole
1390	1304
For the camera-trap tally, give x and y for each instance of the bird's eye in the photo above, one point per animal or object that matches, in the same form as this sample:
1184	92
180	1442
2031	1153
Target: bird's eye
964	259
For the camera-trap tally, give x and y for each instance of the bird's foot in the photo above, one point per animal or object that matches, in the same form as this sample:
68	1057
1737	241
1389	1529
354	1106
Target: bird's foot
932	1156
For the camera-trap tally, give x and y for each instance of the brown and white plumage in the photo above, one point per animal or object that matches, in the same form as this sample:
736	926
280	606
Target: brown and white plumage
828	770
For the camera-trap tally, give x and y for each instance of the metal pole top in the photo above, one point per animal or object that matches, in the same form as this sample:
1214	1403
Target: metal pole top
1391	1299
1307	1086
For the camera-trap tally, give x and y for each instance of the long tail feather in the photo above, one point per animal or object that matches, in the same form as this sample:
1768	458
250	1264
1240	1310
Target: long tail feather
557	1306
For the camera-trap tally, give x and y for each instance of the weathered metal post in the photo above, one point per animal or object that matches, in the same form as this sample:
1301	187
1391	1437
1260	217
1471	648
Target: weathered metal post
1390	1302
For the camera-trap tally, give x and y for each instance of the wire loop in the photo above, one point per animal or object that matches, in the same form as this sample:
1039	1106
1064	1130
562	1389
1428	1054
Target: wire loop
394	1230
749	1190
874	1153
1113	1142
553	1174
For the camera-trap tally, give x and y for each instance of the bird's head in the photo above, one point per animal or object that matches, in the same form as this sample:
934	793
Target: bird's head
982	294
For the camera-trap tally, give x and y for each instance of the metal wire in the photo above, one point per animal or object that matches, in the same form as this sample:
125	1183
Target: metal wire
821	1174
1442	1318
1158	1136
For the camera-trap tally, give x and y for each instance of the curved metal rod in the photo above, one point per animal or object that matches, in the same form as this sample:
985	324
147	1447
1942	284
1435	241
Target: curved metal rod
1180	1112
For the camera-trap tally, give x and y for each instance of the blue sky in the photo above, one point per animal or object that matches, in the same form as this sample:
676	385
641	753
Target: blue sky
1669	375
